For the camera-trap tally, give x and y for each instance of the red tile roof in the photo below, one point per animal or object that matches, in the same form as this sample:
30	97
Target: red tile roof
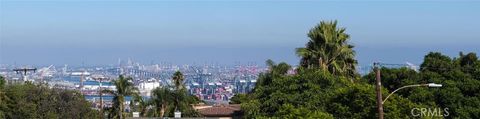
220	111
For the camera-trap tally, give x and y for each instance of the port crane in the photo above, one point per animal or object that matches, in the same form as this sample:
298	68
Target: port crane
24	71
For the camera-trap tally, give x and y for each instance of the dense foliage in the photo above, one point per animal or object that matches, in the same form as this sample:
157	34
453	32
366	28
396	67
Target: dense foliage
313	93
124	87
322	86
460	78
328	49
30	101
168	99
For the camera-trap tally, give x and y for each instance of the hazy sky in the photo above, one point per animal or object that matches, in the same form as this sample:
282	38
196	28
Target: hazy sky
102	31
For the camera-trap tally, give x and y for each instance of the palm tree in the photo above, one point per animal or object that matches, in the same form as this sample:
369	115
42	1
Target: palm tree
328	49
141	104
124	87
274	70
169	99
178	80
281	68
161	97
179	92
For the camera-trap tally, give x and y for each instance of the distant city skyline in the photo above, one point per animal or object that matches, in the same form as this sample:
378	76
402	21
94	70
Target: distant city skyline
100	32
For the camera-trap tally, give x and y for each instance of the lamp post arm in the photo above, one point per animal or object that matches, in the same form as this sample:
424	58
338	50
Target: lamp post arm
417	85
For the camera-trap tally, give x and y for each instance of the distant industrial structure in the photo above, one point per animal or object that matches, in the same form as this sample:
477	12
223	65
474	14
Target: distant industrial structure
24	72
214	84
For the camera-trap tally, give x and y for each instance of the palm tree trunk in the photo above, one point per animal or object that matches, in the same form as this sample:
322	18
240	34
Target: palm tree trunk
144	112
121	107
176	105
162	110
121	111
322	64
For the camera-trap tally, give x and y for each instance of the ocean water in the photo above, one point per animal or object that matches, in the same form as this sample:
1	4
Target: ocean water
76	81
105	97
110	97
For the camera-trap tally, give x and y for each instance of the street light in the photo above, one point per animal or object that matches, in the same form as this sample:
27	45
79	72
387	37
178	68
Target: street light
378	86
432	85
100	79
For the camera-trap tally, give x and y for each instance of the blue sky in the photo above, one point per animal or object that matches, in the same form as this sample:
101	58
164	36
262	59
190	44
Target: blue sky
101	31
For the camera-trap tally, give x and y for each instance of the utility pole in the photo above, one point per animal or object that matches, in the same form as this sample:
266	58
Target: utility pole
378	89
82	76
378	85
100	79
101	100
24	71
82	79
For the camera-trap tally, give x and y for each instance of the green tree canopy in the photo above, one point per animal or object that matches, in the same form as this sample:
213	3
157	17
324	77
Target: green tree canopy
319	92
162	98
29	101
328	49
178	80
170	98
321	88
124	87
460	91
